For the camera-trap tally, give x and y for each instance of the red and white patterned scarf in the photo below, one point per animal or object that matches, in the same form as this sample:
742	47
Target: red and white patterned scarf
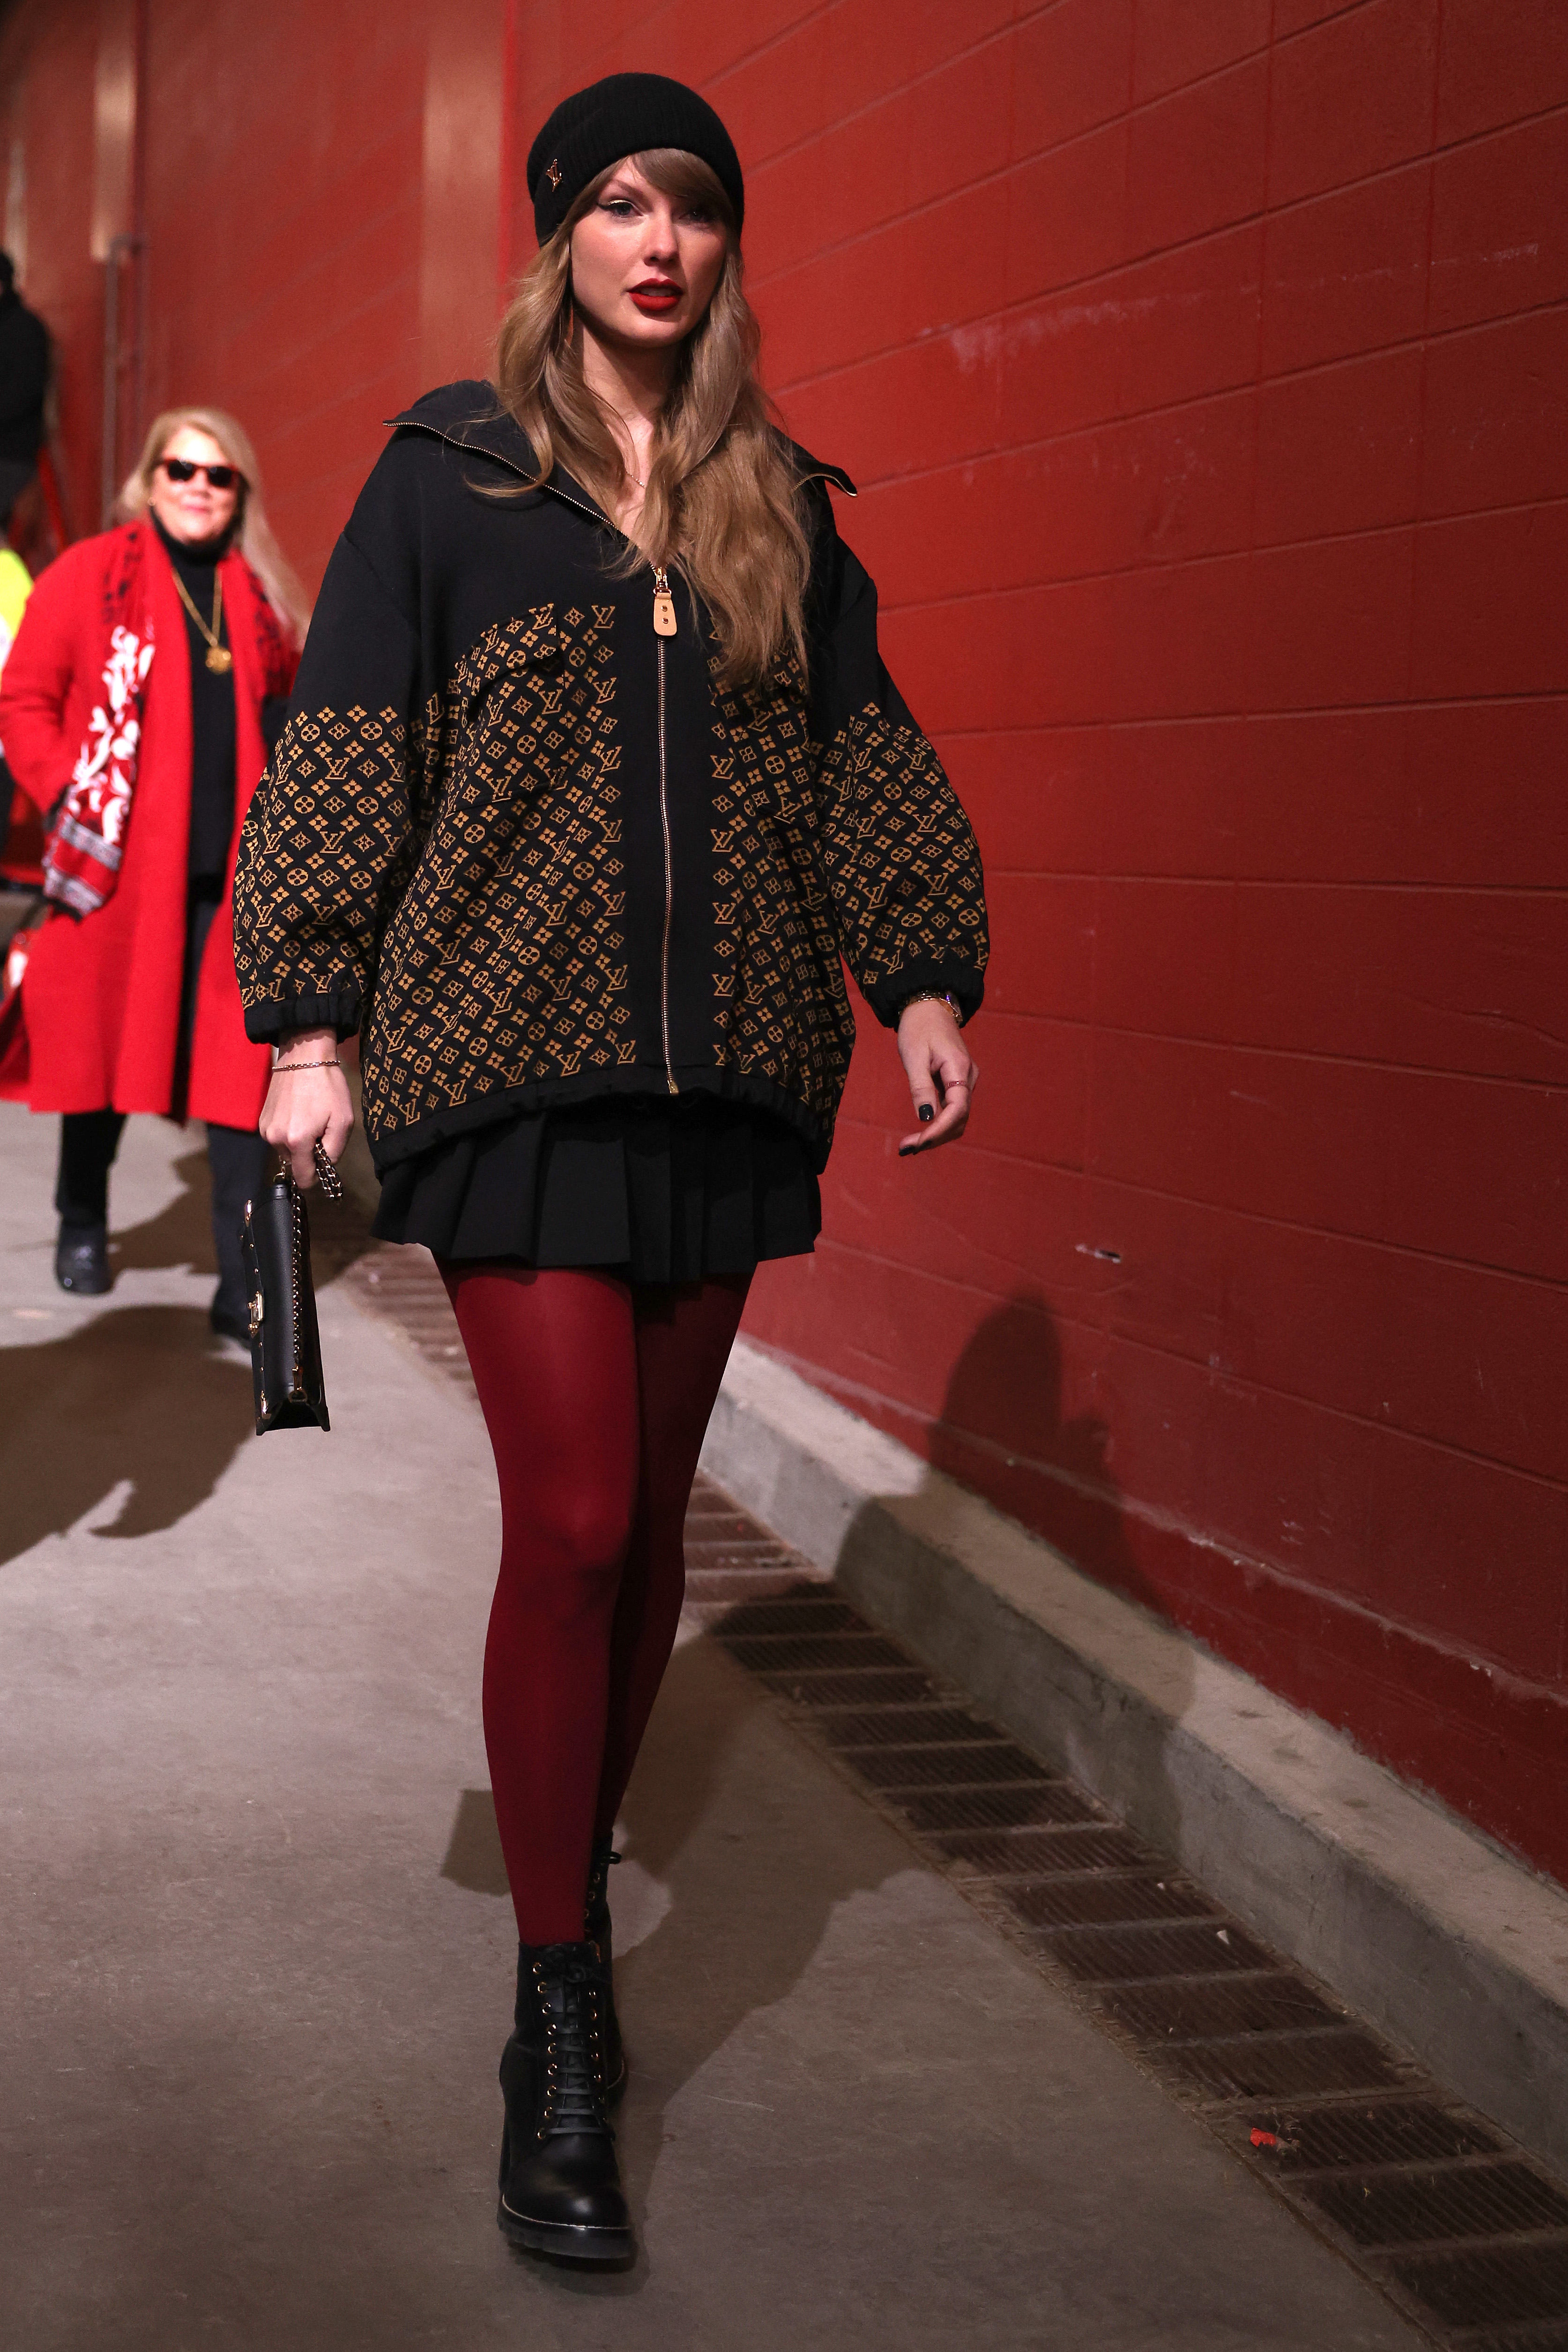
82	853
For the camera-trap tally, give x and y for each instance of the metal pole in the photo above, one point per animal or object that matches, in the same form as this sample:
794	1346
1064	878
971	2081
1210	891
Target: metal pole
119	246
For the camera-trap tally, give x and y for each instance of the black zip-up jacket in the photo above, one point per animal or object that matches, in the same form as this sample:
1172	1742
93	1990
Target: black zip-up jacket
542	857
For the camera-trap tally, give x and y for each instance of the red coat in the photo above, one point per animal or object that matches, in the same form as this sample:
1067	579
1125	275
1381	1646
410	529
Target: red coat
101	996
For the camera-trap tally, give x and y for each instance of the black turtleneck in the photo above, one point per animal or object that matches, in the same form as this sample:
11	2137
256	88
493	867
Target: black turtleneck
212	721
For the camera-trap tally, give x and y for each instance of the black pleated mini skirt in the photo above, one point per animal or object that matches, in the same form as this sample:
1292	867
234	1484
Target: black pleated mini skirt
651	1191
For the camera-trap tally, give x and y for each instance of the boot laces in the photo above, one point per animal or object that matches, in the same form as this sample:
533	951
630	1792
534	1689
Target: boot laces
568	2005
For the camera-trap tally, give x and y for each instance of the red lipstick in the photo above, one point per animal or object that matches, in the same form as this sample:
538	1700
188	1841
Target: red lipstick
656	297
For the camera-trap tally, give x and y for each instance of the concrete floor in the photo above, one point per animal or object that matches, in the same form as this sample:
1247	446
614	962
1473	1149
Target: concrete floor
254	1950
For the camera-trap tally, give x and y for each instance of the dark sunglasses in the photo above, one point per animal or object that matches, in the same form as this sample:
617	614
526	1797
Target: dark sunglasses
219	477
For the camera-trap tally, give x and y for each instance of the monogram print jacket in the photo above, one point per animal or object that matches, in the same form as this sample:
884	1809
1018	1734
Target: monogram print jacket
516	831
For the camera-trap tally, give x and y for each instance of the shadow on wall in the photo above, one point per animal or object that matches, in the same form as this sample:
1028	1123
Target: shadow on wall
1003	1432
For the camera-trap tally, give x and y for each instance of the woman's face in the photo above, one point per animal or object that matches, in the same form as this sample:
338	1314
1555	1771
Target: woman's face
192	512
644	266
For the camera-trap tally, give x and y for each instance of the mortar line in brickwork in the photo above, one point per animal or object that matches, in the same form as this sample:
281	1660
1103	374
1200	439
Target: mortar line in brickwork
1281	210
1241	389
1249	1216
1349	1061
991	40
1103	278
1222	1208
1167	1522
1414	529
1525	699
1215	397
1366	884
1130	112
712	88
1319	882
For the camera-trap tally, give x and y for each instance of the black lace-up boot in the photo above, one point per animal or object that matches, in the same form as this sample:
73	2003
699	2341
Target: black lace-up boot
596	1930
559	2186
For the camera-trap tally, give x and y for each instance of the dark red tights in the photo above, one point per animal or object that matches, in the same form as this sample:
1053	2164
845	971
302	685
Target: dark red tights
596	1394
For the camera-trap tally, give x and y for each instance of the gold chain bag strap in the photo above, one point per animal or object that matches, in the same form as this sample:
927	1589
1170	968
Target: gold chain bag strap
285	1344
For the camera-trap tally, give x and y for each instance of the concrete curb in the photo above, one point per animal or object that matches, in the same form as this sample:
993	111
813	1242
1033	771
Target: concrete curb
1443	1942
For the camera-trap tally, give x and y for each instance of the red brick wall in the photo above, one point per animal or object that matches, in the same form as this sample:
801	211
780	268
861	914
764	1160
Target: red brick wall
1203	368
48	58
283	238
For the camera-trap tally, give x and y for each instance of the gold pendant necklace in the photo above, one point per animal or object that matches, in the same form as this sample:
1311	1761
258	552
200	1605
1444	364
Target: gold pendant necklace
218	656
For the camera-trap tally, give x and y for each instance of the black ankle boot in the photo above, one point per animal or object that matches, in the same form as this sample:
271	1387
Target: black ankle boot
81	1260
596	1930
559	2186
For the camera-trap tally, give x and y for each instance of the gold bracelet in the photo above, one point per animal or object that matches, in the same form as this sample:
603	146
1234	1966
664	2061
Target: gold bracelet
930	996
281	1069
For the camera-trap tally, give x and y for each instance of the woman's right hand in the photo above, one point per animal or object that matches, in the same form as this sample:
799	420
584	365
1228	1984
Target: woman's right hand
305	1107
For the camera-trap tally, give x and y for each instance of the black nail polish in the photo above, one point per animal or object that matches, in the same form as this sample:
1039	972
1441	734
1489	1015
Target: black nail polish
908	1151
927	1113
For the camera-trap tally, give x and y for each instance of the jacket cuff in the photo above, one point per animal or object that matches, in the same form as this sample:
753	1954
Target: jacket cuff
338	1009
952	976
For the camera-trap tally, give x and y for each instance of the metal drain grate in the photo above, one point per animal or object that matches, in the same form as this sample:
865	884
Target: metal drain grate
897	1726
1490	2288
789	1616
1205	2008
785	1653
1463	2233
1073	1846
987	1808
402	1284
1407	2209
899	1686
1130	1955
1549	2337
975	1765
1286	2066
1409	2132
1108	1899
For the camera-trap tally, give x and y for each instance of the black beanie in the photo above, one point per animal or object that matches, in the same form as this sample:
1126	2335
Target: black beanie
625	114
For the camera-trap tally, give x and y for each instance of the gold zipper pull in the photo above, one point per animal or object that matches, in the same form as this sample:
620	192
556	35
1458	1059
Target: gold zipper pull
663	603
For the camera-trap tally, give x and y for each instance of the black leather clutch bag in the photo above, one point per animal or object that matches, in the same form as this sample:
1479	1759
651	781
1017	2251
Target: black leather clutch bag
285	1345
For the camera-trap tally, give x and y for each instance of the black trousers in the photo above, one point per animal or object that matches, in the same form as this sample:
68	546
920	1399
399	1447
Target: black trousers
236	1155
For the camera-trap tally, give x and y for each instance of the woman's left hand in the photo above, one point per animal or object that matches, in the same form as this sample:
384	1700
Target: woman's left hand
941	1073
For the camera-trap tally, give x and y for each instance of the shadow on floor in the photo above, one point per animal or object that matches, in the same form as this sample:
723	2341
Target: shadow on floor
749	1904
141	1398
180	1234
182	1231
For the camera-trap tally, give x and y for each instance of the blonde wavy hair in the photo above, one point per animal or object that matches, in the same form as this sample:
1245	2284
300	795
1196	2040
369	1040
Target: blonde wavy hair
253	534
722	502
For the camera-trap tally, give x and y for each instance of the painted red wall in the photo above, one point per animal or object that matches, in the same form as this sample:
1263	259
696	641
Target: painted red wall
1204	372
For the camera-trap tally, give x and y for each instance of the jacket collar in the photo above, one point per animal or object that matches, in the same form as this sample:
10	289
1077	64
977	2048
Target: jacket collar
470	416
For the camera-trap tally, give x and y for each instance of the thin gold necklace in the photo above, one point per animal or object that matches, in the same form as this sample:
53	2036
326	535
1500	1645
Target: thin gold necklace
218	655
